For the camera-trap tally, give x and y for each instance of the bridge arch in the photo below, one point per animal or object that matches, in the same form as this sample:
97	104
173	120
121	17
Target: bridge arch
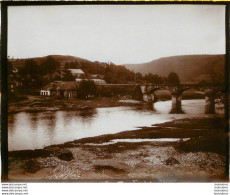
152	94
210	95
176	91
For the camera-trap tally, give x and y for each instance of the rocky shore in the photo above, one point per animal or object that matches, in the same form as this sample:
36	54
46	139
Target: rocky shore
199	154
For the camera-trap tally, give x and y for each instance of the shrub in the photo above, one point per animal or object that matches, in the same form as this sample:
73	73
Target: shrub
87	89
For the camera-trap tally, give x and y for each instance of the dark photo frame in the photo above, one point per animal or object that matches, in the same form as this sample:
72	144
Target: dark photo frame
108	155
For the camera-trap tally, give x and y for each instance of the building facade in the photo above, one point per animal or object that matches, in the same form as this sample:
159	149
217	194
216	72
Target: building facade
63	89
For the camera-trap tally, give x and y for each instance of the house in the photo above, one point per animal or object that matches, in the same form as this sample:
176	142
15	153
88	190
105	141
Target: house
96	81
64	89
96	76
77	73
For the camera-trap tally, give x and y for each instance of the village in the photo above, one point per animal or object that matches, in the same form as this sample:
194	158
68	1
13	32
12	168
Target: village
65	77
53	84
58	83
69	89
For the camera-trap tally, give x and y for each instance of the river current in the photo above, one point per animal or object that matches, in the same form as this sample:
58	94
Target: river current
36	130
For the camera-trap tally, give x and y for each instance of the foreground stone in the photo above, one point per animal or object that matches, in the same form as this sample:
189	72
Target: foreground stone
32	166
110	166
171	161
65	155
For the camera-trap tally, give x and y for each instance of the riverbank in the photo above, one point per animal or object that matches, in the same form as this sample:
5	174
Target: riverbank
41	103
140	155
33	103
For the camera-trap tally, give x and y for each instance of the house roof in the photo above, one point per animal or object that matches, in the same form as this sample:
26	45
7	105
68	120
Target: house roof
76	71
61	85
95	75
99	81
94	80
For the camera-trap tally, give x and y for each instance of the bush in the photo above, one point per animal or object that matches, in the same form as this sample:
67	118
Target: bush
87	89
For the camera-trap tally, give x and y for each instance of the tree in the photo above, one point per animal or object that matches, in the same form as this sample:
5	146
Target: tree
49	65
173	78
67	76
67	66
31	68
86	88
153	78
138	77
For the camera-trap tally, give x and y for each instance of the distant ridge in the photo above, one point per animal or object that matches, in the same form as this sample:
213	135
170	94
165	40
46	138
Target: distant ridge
66	58
62	59
57	57
189	67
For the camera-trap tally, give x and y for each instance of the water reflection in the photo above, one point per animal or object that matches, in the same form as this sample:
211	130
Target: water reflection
36	130
114	141
188	106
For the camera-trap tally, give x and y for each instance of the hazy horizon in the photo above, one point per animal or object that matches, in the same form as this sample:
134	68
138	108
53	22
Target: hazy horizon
122	34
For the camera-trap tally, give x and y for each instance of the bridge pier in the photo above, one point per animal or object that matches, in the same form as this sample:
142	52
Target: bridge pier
209	105
176	103
210	95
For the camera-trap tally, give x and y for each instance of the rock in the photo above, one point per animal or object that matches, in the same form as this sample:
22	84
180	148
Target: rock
32	166
65	155
106	168
171	161
109	166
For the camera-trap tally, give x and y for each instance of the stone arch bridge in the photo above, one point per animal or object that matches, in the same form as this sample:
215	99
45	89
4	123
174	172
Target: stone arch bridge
146	92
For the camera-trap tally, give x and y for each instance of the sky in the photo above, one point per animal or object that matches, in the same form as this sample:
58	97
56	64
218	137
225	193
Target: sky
122	34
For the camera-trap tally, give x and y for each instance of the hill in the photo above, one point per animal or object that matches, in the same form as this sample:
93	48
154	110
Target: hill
190	68
62	59
66	58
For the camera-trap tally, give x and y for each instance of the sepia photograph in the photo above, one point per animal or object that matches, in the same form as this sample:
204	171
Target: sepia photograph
117	93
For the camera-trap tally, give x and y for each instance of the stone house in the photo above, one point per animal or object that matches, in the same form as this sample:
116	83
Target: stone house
63	89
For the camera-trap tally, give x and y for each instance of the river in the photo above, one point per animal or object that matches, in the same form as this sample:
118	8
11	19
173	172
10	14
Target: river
36	130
